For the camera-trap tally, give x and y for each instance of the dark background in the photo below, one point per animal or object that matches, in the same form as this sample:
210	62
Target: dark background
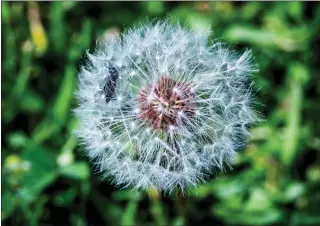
46	179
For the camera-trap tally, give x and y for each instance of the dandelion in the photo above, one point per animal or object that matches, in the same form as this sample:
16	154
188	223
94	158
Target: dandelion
160	108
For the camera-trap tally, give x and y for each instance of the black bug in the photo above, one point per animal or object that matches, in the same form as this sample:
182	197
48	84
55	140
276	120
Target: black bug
109	88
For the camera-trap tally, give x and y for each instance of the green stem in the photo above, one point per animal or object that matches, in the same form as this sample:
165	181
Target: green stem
157	208
182	205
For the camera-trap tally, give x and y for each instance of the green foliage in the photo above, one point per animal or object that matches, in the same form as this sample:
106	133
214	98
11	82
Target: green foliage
47	180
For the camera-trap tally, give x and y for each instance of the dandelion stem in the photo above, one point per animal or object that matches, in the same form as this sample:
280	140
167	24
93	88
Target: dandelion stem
182	205
157	208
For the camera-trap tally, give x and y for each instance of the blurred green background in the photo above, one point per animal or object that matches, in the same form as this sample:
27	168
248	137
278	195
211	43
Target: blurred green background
46	179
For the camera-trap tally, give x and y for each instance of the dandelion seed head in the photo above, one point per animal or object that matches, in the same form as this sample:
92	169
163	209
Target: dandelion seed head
159	107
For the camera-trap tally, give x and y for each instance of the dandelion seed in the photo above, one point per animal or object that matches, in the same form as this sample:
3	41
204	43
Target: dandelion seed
179	113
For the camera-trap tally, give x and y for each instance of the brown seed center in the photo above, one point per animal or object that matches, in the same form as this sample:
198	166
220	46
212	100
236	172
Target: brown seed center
166	104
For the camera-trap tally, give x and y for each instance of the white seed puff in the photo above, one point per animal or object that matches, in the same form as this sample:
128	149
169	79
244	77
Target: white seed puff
161	108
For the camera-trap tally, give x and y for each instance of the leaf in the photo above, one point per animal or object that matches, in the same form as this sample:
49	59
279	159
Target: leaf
63	101
293	191
263	37
65	198
78	171
8	204
297	77
31	102
236	217
41	174
17	140
305	219
236	33
258	201
154	7
57	28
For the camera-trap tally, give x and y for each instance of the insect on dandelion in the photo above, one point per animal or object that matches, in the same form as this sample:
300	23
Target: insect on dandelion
160	108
